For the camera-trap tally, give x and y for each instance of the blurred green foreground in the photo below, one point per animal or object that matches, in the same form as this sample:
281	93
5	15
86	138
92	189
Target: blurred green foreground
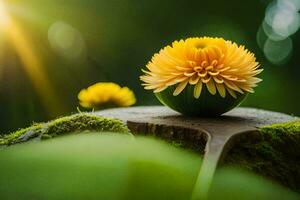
115	167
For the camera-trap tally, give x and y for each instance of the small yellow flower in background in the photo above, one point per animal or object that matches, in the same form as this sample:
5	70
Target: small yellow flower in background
222	66
105	95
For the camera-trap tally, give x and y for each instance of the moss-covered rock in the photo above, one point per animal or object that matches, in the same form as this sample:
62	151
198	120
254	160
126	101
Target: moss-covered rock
273	152
65	125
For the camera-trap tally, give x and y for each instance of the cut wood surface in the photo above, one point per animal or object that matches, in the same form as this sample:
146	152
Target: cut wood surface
217	133
212	137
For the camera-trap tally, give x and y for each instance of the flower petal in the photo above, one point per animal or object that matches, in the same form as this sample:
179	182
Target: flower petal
197	89
211	87
221	90
193	80
180	87
231	92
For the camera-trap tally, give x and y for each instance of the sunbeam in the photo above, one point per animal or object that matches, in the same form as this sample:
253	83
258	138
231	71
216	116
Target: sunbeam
31	63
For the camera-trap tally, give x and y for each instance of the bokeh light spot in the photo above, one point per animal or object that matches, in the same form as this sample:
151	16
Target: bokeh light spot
66	41
292	4
283	17
277	52
269	31
261	37
281	21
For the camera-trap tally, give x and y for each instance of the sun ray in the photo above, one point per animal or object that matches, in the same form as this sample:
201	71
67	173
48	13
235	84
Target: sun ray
31	63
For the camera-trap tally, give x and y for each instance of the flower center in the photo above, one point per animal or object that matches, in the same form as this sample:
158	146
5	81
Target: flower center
200	45
204	68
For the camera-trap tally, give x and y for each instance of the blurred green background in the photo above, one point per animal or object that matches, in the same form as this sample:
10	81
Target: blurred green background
80	42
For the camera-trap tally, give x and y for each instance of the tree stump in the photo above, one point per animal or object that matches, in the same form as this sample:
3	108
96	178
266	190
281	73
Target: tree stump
211	137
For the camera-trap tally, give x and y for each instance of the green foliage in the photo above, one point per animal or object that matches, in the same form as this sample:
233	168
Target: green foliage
65	125
117	167
97	166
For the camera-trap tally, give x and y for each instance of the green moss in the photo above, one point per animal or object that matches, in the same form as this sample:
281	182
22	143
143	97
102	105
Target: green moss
274	153
285	137
82	122
12	137
65	125
291	127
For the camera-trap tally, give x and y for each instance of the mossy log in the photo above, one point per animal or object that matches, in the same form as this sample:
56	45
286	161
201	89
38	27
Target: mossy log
265	142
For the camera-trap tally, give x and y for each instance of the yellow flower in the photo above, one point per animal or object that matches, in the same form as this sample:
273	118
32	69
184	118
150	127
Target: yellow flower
103	95
222	66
